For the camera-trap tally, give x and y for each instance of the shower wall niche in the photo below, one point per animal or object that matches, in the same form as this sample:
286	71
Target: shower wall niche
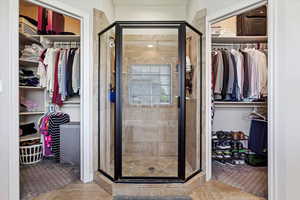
150	102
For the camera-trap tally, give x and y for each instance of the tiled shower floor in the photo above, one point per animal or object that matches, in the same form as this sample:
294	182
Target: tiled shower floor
152	166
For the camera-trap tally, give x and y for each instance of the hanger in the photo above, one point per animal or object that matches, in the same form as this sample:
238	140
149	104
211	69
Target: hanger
255	113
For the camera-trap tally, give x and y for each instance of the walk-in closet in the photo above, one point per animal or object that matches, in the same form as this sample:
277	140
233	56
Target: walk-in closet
239	109
49	96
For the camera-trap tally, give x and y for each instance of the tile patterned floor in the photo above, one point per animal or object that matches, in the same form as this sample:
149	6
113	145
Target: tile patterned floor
152	166
212	190
249	179
163	166
45	176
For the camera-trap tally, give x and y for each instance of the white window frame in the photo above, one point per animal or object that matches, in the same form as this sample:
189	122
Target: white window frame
158	74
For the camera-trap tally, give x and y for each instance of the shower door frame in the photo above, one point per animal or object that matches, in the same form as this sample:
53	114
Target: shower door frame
181	27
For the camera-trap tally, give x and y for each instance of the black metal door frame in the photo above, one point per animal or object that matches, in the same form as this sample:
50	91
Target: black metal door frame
181	27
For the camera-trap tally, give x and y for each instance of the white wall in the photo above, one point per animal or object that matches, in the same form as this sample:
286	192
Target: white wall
212	6
151	12
287	95
4	129
104	5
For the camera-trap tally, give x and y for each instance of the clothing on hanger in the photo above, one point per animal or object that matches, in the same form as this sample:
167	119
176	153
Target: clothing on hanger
60	70
243	74
49	127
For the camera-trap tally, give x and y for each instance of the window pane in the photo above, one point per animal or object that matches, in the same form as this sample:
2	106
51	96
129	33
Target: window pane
165	99
165	80
165	90
165	70
156	89
148	82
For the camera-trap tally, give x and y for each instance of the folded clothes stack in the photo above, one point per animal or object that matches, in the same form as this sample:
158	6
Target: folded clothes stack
31	52
27	78
27	129
27	105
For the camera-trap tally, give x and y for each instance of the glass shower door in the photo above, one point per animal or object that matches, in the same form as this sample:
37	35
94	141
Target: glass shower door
149	97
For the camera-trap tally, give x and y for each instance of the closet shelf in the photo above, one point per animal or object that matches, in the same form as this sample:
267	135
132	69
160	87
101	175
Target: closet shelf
31	87
240	39
228	104
60	38
71	102
30	137
32	113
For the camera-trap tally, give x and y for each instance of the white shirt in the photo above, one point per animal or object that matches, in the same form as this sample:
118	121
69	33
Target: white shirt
42	74
239	59
50	62
76	72
263	73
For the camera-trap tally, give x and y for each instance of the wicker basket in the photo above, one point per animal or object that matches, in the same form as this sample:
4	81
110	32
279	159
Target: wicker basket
31	154
26	27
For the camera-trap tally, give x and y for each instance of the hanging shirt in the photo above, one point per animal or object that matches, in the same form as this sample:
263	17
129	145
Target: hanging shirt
230	74
219	75
55	120
246	82
239	59
56	97
61	64
49	60
63	85
262	73
69	73
41	70
225	74
215	61
76	72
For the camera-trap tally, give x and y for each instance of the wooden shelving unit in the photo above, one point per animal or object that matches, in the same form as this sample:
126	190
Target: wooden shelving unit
31	87
34	92
239	104
32	113
61	38
240	39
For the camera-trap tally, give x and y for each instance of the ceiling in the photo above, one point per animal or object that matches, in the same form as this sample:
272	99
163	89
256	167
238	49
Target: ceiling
150	2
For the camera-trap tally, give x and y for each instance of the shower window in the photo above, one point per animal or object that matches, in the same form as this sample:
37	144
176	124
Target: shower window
149	84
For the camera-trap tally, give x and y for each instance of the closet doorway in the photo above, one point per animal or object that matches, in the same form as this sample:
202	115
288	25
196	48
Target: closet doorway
50	89
238	133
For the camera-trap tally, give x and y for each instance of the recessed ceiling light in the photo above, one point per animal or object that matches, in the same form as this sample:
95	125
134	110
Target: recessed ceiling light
150	45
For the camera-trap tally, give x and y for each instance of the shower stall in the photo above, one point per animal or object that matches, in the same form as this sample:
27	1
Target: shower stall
150	102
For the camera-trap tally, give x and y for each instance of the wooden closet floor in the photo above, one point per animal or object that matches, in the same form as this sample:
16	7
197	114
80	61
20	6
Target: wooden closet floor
212	190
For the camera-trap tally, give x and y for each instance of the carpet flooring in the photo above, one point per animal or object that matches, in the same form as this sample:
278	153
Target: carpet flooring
45	176
249	179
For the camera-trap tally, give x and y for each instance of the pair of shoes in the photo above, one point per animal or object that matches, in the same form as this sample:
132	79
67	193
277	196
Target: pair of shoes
223	135
239	162
214	144
214	137
239	135
237	145
224	145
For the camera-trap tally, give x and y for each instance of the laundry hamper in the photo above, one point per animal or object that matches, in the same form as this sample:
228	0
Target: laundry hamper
31	154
